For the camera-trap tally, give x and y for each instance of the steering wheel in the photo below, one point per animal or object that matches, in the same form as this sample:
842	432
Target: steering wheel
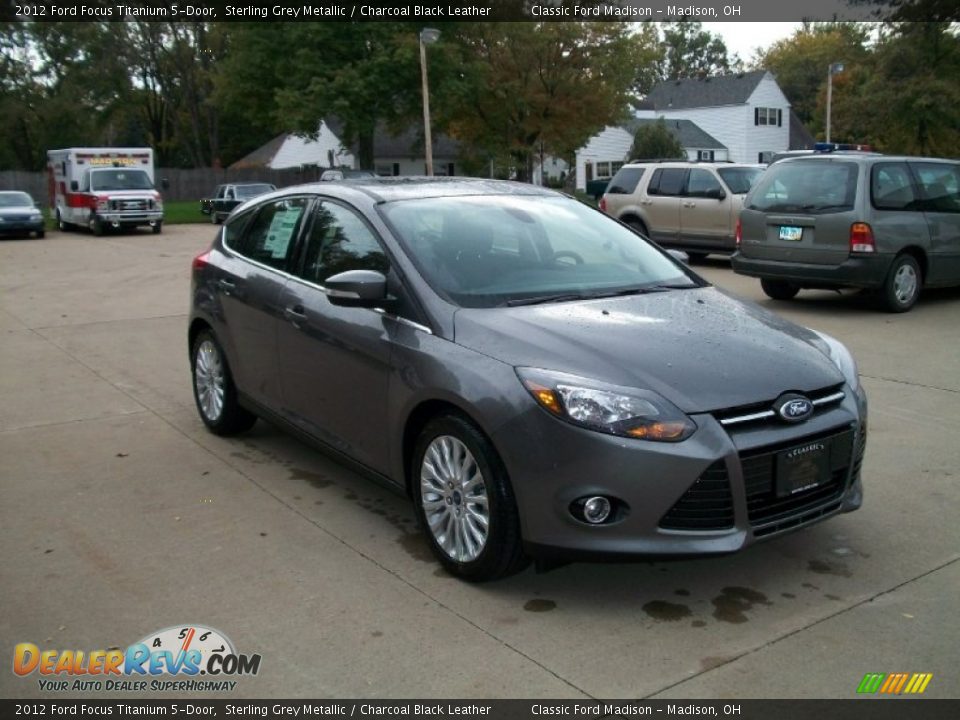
567	254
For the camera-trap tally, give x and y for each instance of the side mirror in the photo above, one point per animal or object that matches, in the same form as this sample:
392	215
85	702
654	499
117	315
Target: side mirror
714	193
680	256
165	183
74	185
357	288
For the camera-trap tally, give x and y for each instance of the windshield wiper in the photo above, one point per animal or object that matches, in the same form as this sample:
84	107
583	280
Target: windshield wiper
543	299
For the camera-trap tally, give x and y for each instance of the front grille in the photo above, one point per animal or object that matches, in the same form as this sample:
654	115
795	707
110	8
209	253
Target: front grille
763	412
706	505
767	512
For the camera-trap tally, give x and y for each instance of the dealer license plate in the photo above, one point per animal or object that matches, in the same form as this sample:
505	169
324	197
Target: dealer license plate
791	232
803	468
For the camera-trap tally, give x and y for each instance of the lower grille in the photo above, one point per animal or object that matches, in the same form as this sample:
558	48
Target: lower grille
706	505
767	512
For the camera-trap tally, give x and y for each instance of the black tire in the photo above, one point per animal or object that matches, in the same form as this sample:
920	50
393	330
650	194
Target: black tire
502	552
779	289
231	419
213	218
157	228
96	227
639	226
696	257
41	234
902	285
62	224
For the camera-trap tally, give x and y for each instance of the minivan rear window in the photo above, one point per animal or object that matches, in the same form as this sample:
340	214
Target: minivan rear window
625	181
805	186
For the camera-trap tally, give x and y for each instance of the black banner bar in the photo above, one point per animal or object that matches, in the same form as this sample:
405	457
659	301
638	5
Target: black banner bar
859	709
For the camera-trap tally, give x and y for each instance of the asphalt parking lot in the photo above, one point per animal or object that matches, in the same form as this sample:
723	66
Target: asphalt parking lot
121	515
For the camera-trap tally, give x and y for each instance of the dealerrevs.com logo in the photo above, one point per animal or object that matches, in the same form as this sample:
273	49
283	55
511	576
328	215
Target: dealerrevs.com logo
181	658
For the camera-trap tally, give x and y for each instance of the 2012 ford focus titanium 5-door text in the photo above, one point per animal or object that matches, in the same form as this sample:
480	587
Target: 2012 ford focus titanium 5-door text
541	380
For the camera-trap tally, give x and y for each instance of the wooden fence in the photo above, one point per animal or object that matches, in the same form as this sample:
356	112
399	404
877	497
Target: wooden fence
183	184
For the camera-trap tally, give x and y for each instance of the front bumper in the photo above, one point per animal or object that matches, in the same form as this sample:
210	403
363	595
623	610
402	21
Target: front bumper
131	218
21	225
860	271
552	464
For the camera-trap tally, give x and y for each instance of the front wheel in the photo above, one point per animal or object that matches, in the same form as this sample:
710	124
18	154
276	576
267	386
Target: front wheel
464	501
61	223
902	286
779	289
157	227
96	226
213	389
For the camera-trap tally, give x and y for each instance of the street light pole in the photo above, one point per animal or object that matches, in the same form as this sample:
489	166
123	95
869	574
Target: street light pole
831	71
428	36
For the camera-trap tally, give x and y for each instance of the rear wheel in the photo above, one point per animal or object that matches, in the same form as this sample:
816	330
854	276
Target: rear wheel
902	286
61	223
639	226
464	501
213	389
779	289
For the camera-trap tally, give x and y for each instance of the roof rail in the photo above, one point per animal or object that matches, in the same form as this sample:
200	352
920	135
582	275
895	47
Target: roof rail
657	160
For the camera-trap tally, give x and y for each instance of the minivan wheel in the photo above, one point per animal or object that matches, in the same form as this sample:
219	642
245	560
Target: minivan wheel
464	502
779	289
213	389
902	286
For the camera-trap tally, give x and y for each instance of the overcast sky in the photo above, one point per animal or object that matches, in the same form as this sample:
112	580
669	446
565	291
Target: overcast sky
743	38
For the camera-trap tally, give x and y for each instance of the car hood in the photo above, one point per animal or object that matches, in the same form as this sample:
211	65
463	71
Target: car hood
19	210
702	349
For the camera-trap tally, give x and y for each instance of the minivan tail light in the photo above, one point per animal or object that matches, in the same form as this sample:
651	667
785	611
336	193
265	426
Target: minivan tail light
861	238
603	204
739	236
201	261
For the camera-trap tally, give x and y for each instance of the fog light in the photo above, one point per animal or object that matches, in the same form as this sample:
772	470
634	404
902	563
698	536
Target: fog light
596	510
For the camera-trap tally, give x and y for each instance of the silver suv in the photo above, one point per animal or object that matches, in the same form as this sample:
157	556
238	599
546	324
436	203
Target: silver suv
864	221
688	205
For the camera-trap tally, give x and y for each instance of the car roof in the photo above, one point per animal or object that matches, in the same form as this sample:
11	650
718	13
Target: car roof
690	163
391	189
862	156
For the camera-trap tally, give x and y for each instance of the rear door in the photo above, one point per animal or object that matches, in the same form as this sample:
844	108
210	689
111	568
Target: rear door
334	362
940	189
801	211
249	284
705	210
661	204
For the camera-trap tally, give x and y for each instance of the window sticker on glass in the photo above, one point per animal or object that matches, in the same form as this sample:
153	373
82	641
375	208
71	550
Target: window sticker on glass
282	225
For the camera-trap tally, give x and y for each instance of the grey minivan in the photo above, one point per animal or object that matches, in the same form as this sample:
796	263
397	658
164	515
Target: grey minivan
540	379
860	221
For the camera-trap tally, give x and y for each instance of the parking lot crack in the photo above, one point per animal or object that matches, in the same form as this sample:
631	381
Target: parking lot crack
911	384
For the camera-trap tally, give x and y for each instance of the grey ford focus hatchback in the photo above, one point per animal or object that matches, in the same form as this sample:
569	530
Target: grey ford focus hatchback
542	381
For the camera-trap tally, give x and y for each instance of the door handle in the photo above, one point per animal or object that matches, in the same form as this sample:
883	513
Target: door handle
295	314
228	286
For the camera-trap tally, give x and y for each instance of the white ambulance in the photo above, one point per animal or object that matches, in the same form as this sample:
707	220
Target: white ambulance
103	188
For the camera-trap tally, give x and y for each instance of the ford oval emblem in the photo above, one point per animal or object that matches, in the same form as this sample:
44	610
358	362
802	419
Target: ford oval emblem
793	408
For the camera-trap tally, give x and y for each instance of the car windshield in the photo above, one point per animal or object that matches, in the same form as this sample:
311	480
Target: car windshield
15	199
487	251
805	186
740	180
120	179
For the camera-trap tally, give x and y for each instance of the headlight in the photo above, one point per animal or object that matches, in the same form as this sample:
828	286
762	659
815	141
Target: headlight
841	357
605	408
35	216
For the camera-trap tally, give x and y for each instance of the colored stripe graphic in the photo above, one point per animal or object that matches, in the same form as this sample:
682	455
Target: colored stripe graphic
894	683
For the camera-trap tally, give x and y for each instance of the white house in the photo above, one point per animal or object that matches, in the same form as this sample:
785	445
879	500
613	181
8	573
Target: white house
394	153
743	117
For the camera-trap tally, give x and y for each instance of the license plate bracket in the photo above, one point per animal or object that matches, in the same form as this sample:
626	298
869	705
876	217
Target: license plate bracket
803	467
791	233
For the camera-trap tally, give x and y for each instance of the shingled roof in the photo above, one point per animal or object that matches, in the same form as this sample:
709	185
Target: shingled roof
705	92
687	132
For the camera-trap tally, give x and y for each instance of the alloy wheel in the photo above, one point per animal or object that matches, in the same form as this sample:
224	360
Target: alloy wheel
209	379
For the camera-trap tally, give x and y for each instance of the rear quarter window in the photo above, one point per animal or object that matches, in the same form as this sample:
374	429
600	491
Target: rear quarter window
625	181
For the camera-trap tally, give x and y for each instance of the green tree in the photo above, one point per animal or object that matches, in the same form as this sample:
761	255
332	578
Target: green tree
654	141
689	51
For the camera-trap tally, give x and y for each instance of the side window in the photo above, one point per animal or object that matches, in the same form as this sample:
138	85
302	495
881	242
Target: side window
340	241
891	187
270	235
702	183
666	181
221	190
625	181
940	184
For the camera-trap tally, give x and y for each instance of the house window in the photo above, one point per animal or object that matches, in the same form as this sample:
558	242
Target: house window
706	155
768	116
